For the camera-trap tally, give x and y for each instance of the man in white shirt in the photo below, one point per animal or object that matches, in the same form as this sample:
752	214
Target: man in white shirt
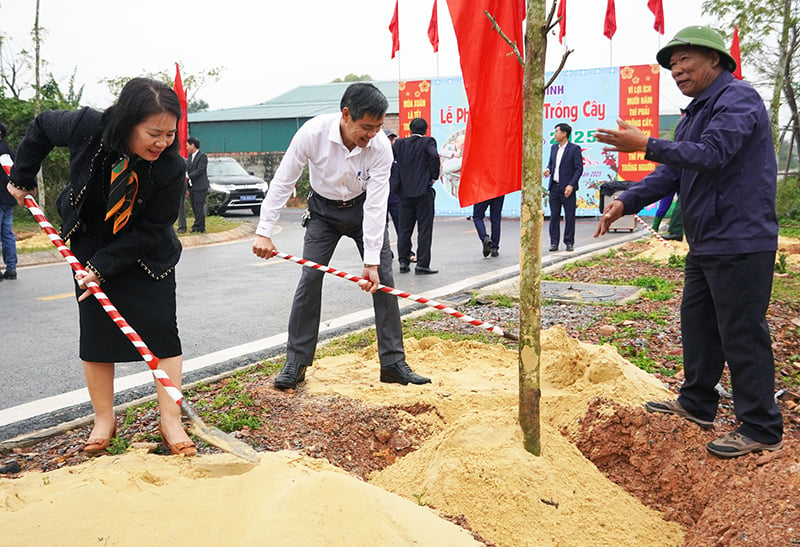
349	160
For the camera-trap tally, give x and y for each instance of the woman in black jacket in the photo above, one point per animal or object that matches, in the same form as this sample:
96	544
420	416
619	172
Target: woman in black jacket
126	183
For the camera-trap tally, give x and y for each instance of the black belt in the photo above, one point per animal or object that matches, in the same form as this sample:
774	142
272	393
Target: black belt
341	203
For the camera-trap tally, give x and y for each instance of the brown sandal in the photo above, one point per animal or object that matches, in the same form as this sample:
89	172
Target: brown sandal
94	447
185	448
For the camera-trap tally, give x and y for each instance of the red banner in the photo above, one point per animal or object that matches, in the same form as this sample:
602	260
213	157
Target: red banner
183	123
492	160
415	102
638	105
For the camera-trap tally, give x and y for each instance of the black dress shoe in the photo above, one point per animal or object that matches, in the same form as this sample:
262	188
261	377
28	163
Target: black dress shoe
422	270
404	268
487	246
401	373
181	230
10	274
495	253
553	248
291	375
673	237
570	248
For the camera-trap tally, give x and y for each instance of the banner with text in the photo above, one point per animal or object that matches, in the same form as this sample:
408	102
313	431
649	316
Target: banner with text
585	99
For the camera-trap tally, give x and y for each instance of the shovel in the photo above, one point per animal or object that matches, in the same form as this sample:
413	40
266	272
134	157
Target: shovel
209	434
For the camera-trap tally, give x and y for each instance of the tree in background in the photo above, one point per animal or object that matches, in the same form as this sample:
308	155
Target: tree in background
353	78
769	32
193	83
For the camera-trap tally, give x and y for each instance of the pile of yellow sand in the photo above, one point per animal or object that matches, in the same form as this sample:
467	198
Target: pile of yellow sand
474	464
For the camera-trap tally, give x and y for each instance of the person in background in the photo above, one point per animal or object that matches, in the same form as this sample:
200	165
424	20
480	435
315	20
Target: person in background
564	169
489	244
349	160
118	211
196	167
416	169
7	203
394	201
723	150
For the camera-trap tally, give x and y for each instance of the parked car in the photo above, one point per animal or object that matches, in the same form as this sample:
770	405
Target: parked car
232	187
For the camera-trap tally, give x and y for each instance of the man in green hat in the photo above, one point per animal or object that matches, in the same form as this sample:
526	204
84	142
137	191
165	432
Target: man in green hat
722	163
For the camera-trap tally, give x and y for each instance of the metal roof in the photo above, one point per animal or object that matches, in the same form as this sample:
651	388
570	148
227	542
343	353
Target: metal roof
301	102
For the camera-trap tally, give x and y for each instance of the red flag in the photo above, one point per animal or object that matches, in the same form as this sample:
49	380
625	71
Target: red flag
736	54
183	123
433	28
562	24
492	158
394	27
658	10
610	24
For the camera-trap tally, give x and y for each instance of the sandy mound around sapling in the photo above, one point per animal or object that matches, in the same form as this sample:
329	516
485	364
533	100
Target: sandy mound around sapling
474	464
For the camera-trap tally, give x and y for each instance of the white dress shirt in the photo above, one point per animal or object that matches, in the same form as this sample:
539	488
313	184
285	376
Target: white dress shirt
335	173
559	155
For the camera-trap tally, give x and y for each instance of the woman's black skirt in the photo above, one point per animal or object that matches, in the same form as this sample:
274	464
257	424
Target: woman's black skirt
148	305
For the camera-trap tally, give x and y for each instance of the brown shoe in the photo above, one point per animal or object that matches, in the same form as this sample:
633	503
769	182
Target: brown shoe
674	407
735	444
93	447
185	448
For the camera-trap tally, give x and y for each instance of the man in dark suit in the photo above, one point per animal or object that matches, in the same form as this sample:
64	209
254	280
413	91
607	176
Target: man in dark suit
416	168
566	168
196	166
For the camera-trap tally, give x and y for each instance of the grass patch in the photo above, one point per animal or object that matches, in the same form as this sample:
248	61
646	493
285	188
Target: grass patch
786	289
657	288
232	407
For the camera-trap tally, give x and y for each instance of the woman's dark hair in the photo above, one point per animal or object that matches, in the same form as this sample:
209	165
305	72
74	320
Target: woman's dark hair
362	98
140	98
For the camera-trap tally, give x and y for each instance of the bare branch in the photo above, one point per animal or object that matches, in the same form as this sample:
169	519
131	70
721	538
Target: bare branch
558	70
513	45
550	17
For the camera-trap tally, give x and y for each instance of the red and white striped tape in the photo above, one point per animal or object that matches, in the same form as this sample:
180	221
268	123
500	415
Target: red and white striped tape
6	163
661	239
113	313
395	292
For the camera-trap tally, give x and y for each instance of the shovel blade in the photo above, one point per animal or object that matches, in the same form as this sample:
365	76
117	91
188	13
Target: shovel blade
217	437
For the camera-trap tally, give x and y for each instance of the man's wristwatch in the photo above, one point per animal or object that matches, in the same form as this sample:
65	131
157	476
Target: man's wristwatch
371	265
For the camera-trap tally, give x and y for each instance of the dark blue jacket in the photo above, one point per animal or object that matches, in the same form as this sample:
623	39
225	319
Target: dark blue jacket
416	166
570	168
723	164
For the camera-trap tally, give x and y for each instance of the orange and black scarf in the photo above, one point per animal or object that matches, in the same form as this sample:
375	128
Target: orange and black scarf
122	193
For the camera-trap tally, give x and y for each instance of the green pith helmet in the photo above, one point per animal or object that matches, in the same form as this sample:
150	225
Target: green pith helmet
697	36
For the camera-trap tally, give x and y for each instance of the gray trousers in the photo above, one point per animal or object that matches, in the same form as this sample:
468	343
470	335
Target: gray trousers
327	225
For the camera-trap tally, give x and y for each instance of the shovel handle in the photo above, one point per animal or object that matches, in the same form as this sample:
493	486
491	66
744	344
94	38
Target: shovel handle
395	292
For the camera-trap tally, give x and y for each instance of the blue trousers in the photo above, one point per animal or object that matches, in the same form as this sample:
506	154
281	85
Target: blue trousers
556	202
495	206
9	241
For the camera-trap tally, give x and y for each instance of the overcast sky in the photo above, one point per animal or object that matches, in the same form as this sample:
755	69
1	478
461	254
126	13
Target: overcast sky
270	47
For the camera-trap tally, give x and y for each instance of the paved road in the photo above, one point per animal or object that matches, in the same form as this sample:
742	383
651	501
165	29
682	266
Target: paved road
232	310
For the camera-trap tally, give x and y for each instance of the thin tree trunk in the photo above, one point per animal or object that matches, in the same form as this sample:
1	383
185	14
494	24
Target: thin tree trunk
530	348
37	41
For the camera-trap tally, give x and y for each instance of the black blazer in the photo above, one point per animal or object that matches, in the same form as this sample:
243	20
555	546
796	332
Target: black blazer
570	168
148	238
416	166
198	172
